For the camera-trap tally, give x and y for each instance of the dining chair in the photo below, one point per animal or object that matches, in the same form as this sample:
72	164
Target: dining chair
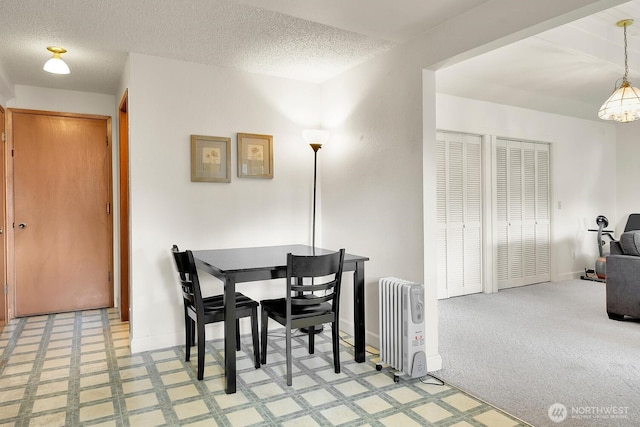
312	299
199	311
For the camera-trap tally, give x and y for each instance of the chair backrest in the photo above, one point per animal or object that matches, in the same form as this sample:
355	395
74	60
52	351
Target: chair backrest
320	274
633	222
189	281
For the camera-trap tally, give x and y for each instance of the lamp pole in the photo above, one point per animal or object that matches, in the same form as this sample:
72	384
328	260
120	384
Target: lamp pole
315	148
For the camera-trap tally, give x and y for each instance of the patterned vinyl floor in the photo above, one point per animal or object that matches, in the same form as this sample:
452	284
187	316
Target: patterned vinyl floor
75	369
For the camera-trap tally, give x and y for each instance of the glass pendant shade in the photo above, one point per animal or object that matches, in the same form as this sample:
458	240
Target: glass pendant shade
623	105
56	65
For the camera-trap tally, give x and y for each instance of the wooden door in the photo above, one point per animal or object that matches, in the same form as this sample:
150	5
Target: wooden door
62	202
3	277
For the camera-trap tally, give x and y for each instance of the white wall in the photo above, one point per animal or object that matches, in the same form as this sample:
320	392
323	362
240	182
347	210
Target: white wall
378	182
372	178
38	98
583	164
170	100
7	88
626	171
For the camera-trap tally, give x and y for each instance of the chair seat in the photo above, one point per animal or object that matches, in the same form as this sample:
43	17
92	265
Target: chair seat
279	306
214	307
216	302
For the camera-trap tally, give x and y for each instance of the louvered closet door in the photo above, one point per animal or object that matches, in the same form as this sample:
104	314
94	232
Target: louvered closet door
459	214
522	212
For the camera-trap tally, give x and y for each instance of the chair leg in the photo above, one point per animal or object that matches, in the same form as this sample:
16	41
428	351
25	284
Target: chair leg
188	332
336	346
289	376
237	334
265	323
193	333
254	334
200	327
312	341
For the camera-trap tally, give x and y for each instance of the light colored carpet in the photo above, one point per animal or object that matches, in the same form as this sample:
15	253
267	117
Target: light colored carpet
525	349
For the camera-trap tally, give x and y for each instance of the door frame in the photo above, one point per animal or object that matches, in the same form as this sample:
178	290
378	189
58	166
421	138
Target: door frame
123	164
495	285
4	308
9	197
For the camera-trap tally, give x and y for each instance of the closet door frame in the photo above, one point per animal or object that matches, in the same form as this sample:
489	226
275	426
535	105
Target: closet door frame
446	291
492	241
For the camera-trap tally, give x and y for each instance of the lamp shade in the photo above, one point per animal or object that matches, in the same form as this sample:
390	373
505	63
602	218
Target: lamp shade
315	136
623	105
55	64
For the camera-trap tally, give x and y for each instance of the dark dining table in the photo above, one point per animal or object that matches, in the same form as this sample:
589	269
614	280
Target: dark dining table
251	264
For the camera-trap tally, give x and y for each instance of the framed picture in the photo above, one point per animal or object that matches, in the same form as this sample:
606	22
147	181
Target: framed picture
255	156
210	159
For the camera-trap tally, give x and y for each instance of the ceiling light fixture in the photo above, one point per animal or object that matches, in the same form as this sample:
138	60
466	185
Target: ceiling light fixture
624	104
56	65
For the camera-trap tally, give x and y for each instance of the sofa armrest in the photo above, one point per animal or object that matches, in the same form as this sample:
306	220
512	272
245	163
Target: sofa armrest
623	285
615	248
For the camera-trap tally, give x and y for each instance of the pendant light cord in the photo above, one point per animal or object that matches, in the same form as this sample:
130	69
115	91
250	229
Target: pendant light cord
626	66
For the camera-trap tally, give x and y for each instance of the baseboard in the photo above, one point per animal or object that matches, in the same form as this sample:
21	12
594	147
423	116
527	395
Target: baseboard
434	363
177	338
573	275
155	342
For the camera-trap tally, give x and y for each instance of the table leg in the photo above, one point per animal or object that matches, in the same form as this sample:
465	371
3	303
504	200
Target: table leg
358	312
230	334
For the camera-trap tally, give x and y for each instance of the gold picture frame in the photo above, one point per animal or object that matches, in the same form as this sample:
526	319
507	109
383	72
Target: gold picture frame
255	155
210	159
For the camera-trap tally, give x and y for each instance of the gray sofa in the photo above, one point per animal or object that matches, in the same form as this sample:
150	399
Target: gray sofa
623	276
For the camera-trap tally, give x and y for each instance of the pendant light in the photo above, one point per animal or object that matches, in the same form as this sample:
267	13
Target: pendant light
624	104
55	64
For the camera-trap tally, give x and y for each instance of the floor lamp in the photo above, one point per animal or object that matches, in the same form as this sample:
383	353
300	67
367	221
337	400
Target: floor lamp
315	138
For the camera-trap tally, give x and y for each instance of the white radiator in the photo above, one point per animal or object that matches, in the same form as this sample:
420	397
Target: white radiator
402	330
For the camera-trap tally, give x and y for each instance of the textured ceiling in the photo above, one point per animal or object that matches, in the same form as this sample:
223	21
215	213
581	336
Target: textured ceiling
299	39
568	70
310	40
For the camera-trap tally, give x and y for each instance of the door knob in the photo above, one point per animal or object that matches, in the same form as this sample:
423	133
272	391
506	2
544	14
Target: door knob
22	225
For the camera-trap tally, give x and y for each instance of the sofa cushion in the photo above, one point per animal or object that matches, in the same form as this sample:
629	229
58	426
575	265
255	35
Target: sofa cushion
630	242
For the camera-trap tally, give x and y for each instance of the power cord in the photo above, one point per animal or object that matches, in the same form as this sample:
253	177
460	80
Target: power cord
424	380
373	353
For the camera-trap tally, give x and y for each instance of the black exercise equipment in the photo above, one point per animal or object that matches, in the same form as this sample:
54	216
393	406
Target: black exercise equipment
599	273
